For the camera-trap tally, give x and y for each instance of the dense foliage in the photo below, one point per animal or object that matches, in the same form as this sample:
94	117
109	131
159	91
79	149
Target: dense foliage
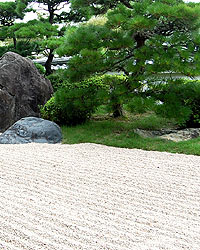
74	103
179	99
139	39
40	36
8	13
40	68
57	79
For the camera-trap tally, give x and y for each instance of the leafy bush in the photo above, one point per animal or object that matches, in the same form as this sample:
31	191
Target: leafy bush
74	103
140	105
40	68
52	111
110	88
57	79
115	96
180	99
77	104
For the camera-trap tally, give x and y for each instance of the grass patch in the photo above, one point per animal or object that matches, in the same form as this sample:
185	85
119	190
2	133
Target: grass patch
119	133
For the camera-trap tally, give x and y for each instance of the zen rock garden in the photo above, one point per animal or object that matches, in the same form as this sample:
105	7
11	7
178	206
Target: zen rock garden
23	89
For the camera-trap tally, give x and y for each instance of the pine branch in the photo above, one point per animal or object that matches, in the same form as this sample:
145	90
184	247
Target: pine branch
127	4
118	62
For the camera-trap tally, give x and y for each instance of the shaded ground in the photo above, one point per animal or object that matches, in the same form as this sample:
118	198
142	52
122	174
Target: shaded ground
88	196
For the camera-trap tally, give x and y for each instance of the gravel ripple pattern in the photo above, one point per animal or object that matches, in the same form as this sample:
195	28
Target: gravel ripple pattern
88	196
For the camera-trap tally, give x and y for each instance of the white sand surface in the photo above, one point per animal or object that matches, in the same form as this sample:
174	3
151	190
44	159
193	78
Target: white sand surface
87	196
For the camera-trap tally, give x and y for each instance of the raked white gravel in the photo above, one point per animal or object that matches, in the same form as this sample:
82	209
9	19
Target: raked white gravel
88	196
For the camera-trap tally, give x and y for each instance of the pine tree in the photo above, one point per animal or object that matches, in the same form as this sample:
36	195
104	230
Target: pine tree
51	7
139	38
8	16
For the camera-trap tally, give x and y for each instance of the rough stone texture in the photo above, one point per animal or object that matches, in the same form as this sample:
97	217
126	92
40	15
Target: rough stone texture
32	129
173	134
22	89
154	133
182	135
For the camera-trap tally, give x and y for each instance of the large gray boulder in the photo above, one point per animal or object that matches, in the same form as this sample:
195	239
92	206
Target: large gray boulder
32	129
22	89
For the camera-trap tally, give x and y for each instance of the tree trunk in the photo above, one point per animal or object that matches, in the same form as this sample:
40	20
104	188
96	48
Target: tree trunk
115	105
117	110
139	62
140	40
51	55
48	63
15	42
51	12
51	17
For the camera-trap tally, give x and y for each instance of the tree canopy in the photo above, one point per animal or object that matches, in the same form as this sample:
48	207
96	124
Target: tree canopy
139	38
8	13
42	27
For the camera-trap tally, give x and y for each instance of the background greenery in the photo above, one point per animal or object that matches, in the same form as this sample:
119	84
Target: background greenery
117	50
119	133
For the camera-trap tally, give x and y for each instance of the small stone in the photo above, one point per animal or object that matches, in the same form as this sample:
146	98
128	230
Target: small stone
32	129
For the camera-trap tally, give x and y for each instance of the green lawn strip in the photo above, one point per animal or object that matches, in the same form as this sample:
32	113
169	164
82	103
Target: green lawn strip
120	134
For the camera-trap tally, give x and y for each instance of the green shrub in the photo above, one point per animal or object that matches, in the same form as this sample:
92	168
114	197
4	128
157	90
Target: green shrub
115	96
57	79
40	68
110	88
180	99
77	104
73	104
52	111
140	105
